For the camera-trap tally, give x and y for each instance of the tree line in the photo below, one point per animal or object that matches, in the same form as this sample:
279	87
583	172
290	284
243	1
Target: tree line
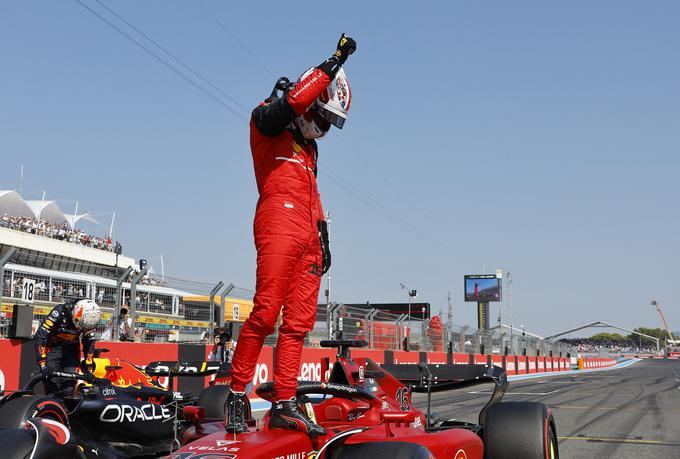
618	338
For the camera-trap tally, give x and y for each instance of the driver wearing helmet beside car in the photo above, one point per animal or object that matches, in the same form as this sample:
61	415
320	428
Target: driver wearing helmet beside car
291	235
58	338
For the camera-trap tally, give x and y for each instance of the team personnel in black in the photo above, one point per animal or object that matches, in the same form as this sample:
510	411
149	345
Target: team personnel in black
58	338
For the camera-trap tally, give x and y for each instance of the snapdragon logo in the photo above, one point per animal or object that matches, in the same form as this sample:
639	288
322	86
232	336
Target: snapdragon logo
128	413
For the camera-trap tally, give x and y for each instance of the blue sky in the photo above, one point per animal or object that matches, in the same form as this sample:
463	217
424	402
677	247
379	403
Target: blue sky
563	115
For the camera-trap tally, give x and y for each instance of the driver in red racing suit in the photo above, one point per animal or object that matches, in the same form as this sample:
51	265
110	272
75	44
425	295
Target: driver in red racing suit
290	233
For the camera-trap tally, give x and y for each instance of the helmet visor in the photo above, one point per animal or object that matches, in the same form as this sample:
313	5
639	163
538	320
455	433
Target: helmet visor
332	117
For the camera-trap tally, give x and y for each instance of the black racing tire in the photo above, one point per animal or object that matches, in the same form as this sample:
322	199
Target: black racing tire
520	429
15	413
213	398
383	449
17	443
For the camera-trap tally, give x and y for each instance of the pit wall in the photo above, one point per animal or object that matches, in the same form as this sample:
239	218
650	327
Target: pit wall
17	360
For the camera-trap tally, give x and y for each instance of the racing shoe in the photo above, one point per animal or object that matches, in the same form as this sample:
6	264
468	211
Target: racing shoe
285	414
237	412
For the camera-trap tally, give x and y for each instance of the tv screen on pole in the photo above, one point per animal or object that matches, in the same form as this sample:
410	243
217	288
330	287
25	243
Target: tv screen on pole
482	288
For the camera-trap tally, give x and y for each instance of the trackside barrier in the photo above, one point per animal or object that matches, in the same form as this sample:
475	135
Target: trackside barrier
590	363
18	360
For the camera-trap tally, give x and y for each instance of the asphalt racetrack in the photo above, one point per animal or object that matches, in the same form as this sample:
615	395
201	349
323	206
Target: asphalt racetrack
631	412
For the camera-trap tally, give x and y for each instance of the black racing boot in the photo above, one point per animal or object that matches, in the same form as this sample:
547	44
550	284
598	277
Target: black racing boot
237	412
286	414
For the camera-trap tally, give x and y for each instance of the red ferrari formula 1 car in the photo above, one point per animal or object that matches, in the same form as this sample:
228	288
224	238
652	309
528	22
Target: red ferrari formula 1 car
367	412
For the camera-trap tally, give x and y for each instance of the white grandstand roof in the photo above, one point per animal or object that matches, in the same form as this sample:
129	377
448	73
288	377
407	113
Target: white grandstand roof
73	219
11	203
48	211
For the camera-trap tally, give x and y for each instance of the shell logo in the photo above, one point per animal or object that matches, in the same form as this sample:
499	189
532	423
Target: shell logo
460	454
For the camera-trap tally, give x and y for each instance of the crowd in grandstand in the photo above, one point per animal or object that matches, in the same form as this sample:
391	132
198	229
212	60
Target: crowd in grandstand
61	232
14	288
149	279
153	280
587	345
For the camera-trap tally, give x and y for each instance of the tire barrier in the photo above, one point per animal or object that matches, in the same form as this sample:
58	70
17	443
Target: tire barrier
18	361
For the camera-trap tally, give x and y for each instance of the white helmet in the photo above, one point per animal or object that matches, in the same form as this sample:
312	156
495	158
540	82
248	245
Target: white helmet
330	108
86	315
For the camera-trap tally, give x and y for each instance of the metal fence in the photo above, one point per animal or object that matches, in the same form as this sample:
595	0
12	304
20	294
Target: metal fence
396	332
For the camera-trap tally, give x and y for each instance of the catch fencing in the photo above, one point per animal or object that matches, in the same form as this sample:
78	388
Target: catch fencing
384	331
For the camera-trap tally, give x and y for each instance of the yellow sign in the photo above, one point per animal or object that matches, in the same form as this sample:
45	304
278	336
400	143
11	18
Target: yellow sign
236	310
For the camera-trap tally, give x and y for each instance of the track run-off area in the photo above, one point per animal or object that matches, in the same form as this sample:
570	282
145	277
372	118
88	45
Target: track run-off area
627	412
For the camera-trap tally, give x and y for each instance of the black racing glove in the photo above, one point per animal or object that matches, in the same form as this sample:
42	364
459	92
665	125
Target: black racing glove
346	46
46	371
325	246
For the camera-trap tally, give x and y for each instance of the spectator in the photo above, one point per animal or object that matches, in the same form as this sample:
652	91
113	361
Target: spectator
595	346
60	232
124	327
222	350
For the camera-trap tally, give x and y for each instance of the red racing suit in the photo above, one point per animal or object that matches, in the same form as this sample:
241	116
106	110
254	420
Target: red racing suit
286	228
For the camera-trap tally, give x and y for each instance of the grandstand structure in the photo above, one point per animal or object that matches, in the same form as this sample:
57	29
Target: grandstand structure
38	241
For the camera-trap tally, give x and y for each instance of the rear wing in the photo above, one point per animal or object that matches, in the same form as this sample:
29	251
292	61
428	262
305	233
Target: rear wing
197	368
427	378
422	377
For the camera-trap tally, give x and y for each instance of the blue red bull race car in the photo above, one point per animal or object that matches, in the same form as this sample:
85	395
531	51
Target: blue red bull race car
123	411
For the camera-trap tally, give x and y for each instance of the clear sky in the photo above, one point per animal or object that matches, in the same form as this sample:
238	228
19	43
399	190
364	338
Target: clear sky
561	120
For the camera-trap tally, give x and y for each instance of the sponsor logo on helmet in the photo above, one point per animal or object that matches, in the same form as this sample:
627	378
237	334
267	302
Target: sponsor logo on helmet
342	92
460	454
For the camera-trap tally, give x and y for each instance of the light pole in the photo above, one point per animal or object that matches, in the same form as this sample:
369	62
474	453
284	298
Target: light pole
411	294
